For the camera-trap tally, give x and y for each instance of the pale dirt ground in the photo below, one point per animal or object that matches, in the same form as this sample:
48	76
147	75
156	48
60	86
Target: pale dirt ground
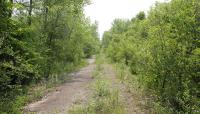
133	103
60	100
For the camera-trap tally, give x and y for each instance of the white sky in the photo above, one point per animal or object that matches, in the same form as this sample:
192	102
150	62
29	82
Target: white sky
105	11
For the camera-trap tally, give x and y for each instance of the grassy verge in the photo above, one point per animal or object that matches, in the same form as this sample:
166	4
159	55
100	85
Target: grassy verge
15	104
104	100
136	86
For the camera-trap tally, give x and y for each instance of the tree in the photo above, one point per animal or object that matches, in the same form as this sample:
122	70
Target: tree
40	41
162	49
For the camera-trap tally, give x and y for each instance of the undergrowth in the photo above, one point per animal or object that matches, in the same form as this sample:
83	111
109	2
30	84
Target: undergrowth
105	100
15	103
135	85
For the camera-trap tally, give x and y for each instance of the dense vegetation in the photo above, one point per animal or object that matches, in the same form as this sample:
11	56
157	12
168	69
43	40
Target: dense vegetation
163	52
40	39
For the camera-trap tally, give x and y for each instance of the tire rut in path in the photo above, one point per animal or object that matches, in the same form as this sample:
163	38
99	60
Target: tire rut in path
60	100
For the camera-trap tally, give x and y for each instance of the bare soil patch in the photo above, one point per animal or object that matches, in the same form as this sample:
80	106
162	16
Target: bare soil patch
60	100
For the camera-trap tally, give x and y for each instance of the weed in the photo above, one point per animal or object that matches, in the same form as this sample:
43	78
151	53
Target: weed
105	100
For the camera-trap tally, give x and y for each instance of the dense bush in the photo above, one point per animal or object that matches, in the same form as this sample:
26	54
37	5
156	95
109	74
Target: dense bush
162	49
39	39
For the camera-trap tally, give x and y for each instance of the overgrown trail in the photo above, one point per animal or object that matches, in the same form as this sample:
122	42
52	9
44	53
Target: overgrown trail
110	95
64	96
133	103
77	91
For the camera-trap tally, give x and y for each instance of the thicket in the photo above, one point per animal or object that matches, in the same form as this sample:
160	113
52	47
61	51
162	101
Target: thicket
40	39
163	50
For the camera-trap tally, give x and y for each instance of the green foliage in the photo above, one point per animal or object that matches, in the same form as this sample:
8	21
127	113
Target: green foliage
162	49
40	41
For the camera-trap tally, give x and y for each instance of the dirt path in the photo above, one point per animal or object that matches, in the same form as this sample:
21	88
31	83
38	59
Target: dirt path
59	101
133	103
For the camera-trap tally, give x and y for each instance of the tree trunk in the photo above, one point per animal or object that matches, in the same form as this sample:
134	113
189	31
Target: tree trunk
11	11
30	12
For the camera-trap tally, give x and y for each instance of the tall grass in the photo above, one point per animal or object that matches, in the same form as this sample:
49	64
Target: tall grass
136	86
